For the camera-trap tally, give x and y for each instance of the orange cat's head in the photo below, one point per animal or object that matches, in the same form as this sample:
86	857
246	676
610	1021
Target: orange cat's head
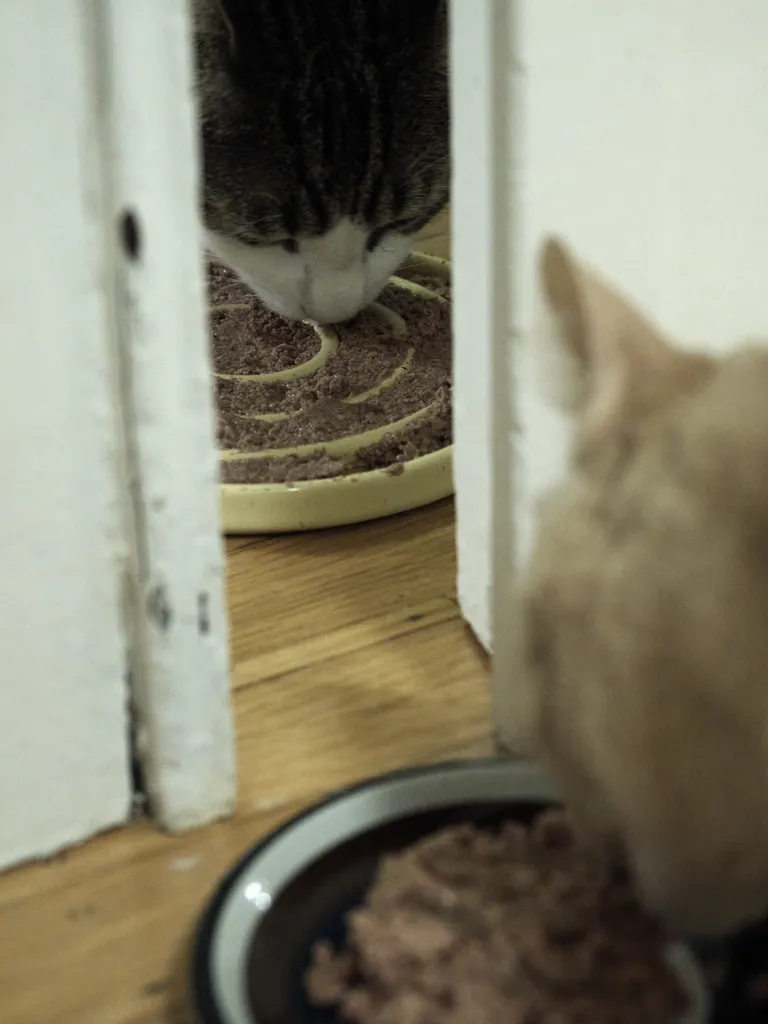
628	367
645	605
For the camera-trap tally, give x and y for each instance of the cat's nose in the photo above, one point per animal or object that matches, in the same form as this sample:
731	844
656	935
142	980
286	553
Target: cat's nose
334	298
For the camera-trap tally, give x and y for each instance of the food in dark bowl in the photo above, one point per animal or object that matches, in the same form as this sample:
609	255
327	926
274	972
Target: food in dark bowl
301	887
516	926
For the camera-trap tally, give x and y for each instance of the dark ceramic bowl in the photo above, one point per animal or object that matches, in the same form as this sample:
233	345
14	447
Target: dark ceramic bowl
295	887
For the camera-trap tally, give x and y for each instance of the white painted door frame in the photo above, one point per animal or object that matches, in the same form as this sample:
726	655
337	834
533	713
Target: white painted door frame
111	591
181	677
64	755
485	225
636	132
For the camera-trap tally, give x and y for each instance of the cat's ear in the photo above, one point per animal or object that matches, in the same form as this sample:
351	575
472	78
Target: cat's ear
626	364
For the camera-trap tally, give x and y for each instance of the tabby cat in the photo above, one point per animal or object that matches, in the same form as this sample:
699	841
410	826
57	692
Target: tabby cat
645	607
325	141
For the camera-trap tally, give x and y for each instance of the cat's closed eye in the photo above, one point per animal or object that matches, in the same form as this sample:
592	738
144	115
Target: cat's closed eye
377	236
374	240
400	227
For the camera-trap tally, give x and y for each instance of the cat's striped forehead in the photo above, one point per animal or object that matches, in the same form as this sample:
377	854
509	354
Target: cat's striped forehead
339	116
286	31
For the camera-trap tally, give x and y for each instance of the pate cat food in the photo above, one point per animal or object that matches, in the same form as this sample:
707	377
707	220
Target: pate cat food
372	380
519	927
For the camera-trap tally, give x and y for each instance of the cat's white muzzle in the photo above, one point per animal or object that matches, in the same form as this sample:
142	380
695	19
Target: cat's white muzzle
329	280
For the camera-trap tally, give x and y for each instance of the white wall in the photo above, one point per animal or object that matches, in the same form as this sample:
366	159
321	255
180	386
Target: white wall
63	688
636	131
110	552
644	144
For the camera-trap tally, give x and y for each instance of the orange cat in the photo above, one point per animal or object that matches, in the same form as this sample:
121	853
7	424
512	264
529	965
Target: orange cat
645	607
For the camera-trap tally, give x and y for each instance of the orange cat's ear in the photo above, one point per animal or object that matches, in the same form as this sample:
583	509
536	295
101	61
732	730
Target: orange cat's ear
626	361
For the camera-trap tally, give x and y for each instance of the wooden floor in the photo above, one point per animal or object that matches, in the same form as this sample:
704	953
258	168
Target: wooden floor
349	659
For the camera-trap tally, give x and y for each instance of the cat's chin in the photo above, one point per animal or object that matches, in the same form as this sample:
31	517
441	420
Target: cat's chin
296	312
341	312
287	311
328	280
